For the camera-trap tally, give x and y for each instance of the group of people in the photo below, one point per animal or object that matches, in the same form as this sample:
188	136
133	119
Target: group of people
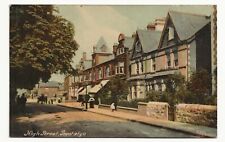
89	99
21	102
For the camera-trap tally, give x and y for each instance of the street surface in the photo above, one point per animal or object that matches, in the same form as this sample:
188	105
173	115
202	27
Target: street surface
41	120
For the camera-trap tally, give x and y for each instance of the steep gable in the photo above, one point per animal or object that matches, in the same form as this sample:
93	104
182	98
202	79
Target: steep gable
146	41
137	48
188	24
149	40
183	27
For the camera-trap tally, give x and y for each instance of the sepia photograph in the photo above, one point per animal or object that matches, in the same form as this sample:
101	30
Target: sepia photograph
112	71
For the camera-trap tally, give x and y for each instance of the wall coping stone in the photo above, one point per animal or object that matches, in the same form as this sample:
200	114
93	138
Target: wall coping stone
142	103
196	106
120	107
158	103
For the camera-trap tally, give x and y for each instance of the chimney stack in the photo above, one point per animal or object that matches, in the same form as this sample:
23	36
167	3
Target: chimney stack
151	27
94	49
159	24
115	45
133	35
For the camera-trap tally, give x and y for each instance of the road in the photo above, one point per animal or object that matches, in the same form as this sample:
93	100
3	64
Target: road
41	120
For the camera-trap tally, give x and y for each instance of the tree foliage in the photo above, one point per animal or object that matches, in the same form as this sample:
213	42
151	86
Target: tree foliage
175	88
200	83
115	90
41	43
199	88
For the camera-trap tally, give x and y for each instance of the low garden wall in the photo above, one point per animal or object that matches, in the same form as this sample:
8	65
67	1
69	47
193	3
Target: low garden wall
158	110
197	114
119	108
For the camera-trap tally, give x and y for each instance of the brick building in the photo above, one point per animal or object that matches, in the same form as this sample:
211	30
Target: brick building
178	49
50	88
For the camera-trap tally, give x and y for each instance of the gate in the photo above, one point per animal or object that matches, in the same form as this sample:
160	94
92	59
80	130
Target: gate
171	113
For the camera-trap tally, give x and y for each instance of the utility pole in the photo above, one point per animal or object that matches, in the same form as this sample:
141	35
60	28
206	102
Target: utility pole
86	99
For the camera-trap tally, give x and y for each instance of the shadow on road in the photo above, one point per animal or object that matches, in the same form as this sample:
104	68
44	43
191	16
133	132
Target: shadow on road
33	109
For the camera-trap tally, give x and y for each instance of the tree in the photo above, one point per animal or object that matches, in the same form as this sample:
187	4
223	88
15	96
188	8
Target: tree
175	88
41	43
118	89
200	86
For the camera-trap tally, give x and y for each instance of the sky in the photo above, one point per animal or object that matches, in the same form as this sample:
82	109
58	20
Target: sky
92	22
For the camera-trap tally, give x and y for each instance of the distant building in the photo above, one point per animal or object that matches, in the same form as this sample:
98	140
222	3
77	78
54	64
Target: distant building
50	88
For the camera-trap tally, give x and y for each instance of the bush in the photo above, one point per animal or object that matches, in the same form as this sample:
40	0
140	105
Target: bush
132	103
192	98
153	95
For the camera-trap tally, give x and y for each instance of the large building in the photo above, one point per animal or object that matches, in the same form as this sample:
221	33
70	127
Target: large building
183	46
171	45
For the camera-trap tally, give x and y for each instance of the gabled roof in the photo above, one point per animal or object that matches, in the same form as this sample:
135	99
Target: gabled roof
149	39
129	42
187	24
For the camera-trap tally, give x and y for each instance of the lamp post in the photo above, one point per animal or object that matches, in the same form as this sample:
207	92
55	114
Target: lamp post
173	102
86	96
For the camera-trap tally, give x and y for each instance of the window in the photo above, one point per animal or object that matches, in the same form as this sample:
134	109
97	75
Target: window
122	50
135	91
175	53
90	76
142	67
117	69
171	33
168	58
153	63
138	46
121	69
148	86
100	74
107	71
87	76
152	86
133	69
137	67
159	87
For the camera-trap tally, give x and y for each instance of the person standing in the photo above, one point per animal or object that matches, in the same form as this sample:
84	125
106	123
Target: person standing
112	106
23	101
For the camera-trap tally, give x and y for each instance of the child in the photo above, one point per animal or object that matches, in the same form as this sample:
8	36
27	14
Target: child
112	106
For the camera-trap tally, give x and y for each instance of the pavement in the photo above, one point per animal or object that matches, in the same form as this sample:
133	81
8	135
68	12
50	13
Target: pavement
202	131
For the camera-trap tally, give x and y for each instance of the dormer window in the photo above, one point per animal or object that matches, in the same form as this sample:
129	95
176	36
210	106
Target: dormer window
138	46
171	33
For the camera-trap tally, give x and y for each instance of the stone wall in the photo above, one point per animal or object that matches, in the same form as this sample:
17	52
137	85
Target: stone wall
197	114
158	110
